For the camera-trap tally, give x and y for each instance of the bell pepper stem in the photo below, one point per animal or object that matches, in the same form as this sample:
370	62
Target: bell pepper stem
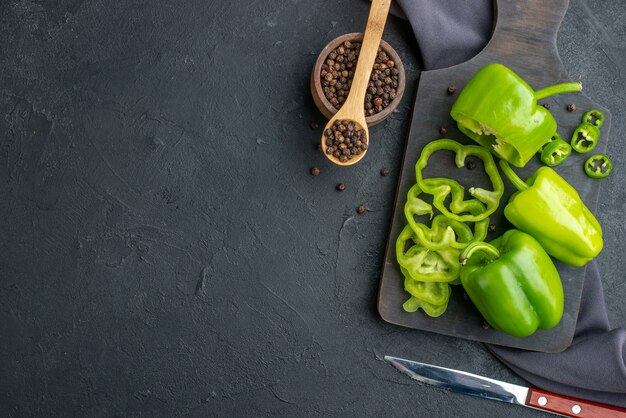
571	87
514	178
490	252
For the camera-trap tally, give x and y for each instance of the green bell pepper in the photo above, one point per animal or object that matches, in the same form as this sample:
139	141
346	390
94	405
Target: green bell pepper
598	166
513	283
549	209
499	110
585	137
484	202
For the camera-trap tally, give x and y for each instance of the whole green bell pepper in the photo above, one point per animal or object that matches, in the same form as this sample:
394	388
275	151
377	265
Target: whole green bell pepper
549	209
513	283
499	110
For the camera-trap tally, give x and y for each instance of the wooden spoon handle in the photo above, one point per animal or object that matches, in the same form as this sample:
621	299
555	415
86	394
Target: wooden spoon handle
369	49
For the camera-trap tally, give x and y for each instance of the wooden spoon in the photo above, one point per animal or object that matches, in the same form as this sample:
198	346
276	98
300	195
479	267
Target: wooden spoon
353	107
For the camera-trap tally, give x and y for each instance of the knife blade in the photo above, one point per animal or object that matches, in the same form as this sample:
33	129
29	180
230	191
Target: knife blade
484	387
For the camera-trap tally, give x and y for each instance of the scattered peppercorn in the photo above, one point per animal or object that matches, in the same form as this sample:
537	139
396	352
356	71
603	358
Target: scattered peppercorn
315	171
384	171
470	165
344	140
318	146
338	71
485	325
571	107
451	89
465	296
361	209
443	130
491	228
341	187
314	125
546	105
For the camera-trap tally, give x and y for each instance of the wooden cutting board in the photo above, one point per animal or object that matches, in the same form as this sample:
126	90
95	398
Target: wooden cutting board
524	39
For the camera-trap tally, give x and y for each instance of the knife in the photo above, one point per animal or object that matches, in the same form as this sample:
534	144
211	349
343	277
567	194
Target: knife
483	387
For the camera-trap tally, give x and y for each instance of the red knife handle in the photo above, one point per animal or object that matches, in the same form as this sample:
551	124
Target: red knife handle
572	407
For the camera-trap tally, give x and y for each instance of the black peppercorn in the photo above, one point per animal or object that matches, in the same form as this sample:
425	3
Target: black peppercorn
361	209
491	228
470	165
384	171
315	171
485	325
443	131
314	125
451	89
336	78
341	187
571	107
546	105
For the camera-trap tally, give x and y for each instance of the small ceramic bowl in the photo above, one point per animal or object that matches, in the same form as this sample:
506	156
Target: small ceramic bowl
316	85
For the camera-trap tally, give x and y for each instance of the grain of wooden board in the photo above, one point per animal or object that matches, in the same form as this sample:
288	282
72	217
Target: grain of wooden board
524	39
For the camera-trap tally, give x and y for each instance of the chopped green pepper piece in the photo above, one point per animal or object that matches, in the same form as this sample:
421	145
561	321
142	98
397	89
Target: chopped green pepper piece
499	110
585	137
550	209
444	232
513	283
598	166
435	293
413	304
555	152
483	204
426	265
594	116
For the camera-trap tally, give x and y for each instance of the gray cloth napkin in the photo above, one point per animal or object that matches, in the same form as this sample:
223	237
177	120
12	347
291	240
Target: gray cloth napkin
450	32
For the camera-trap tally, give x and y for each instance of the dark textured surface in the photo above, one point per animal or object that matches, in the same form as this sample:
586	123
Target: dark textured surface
165	251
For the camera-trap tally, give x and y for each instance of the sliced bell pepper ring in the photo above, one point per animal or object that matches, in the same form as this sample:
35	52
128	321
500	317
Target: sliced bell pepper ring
444	231
594	116
555	152
413	304
426	265
499	110
585	137
598	166
435	293
484	203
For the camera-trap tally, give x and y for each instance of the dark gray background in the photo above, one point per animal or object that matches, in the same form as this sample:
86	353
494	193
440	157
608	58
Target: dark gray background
165	251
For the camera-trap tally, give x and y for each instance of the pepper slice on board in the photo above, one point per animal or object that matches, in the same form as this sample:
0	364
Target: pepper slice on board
484	202
593	116
550	209
585	137
598	166
513	283
423	264
444	231
499	110
555	152
431	297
